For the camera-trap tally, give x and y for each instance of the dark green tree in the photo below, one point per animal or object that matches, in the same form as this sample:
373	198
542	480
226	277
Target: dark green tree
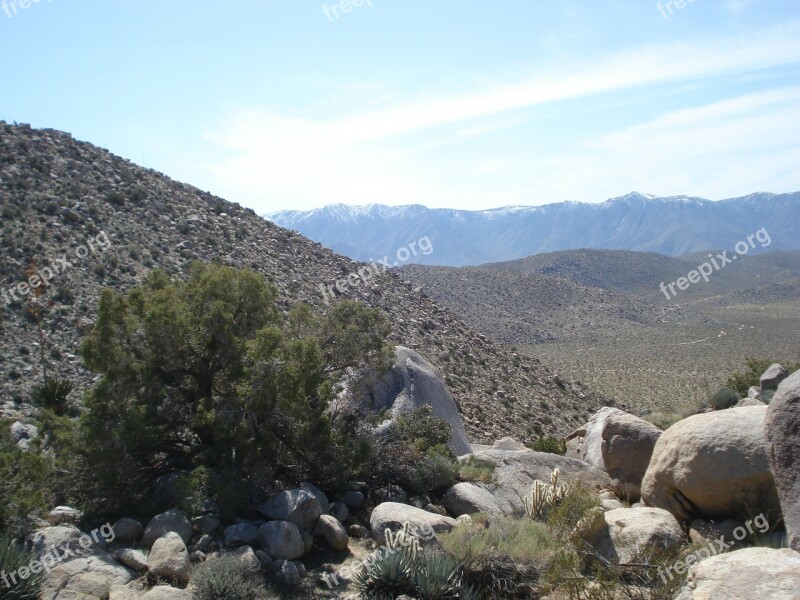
207	374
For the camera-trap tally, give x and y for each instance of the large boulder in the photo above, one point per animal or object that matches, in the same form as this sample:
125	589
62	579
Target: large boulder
240	534
165	592
516	470
713	466
621	445
635	535
298	506
96	562
412	382
747	574
173	520
169	558
281	540
467	498
782	430
393	515
772	377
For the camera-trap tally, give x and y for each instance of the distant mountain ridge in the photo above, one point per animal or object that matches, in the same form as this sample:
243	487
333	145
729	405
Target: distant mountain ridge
672	226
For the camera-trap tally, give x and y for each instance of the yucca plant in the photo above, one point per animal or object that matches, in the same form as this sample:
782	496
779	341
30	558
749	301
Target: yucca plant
470	593
438	577
52	394
12	558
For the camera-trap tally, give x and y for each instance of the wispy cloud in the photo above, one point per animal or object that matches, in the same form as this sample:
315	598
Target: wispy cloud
364	157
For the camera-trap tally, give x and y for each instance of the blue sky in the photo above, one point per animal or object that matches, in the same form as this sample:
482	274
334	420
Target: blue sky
448	103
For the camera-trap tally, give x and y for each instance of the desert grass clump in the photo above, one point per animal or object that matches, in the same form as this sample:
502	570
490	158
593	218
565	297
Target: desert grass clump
551	445
724	398
477	469
227	577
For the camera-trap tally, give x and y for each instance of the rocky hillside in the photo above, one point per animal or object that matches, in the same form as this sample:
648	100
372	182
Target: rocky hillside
98	220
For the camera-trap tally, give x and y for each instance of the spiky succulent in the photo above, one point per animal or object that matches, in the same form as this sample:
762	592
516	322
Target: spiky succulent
438	577
12	558
544	496
386	572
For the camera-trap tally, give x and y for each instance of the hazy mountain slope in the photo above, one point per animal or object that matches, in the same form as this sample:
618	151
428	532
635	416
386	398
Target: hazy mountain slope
671	226
56	194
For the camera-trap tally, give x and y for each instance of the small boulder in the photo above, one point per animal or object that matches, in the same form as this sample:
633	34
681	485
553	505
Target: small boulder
339	511
173	520
281	540
297	506
169	558
248	557
467	498
392	516
353	499
135	559
332	531
64	514
637	535
772	377
165	592
287	573
127	530
240	534
324	504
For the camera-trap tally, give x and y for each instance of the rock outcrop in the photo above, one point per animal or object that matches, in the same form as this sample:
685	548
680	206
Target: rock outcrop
620	444
392	516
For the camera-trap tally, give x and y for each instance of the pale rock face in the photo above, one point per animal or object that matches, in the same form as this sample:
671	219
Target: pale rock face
772	377
747	574
713	466
173	520
281	540
169	558
412	382
782	429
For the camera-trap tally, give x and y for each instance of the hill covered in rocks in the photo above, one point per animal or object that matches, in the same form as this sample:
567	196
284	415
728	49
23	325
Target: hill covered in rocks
97	220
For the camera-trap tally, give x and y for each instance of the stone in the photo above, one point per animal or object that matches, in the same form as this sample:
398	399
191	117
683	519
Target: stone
240	534
746	574
248	557
324	504
287	573
468	498
169	558
772	377
165	592
358	531
308	542
391	493
703	532
339	511
353	499
393	515
96	561
713	466
207	523
135	559
413	382
297	506
174	520
635	535
64	514
93	585
332	531
281	540
127	530
782	430
621	445
611	504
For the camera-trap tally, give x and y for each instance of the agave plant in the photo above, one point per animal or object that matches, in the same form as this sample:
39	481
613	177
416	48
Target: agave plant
14	587
438	577
386	572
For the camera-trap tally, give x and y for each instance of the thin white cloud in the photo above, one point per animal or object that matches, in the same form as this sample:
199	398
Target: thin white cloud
363	157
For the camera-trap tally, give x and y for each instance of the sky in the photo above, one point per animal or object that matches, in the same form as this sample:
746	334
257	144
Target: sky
296	104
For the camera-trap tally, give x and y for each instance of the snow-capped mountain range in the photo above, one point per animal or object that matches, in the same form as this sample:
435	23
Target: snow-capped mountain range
673	226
